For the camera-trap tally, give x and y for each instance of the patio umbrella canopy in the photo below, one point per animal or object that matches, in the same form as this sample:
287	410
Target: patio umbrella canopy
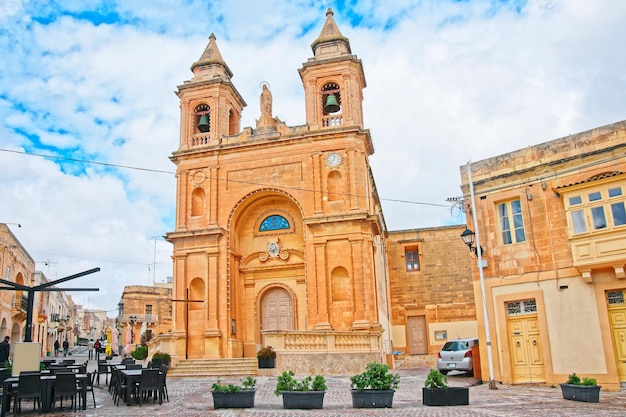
114	341
108	351
129	339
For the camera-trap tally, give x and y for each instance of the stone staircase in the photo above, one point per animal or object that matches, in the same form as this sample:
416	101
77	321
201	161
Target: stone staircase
214	368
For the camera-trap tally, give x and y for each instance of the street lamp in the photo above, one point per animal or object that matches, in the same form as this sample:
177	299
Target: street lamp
468	238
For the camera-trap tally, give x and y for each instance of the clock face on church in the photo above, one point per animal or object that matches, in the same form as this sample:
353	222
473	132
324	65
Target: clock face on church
333	159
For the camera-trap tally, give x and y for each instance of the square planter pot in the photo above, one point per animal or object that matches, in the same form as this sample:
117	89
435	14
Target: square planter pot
303	399
586	393
241	399
443	397
371	398
266	362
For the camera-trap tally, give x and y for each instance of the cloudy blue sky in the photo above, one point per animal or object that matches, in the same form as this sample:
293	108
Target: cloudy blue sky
447	82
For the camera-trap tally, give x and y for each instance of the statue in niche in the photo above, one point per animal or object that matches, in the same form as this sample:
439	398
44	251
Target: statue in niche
266	119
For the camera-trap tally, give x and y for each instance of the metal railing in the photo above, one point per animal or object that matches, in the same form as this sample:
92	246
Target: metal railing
138	318
20	302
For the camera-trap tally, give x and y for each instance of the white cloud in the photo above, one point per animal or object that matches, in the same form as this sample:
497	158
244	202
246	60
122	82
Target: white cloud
446	82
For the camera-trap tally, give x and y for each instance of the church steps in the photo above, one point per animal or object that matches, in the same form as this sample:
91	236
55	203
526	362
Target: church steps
214	367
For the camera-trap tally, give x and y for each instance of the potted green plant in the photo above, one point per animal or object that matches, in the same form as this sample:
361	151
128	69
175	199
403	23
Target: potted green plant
267	357
140	353
375	387
305	394
161	357
234	396
436	391
586	390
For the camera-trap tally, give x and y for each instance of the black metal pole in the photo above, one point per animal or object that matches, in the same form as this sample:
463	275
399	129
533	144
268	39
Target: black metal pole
187	324
28	332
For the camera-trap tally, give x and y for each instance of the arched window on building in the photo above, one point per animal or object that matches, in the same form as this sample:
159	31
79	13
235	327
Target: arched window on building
274	222
233	122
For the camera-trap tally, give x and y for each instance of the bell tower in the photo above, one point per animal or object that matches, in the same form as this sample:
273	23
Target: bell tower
333	81
210	104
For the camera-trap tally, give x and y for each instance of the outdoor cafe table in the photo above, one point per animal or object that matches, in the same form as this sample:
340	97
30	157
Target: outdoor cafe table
47	362
47	383
132	377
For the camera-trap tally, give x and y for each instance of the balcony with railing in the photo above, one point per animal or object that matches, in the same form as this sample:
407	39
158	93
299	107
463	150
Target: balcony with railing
20	302
138	318
332	120
19	306
200	139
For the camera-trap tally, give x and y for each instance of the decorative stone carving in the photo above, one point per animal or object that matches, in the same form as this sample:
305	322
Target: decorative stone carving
274	251
266	119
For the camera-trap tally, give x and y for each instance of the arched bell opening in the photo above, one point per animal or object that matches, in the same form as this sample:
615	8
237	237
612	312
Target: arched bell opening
233	122
331	99
202	118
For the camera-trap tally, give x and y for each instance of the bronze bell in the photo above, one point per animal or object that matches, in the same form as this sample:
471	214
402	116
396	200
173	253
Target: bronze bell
331	105
203	123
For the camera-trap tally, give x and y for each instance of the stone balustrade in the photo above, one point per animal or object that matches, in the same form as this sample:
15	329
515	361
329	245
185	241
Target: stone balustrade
324	351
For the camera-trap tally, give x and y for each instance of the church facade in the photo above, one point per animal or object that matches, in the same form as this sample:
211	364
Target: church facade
279	236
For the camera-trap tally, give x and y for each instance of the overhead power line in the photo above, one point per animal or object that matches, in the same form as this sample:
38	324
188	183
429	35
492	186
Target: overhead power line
86	161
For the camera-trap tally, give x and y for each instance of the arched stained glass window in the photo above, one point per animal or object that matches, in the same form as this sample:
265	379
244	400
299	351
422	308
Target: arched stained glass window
274	222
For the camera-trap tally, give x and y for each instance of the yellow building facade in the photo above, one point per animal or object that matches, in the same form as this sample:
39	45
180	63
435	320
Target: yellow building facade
17	266
431	289
144	308
552	222
279	236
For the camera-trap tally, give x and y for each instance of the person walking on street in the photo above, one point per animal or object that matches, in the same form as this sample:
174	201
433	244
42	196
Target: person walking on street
5	348
56	347
66	347
97	346
90	348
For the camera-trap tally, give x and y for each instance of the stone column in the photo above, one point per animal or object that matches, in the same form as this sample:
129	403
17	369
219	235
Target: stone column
359	285
213	190
318	289
316	163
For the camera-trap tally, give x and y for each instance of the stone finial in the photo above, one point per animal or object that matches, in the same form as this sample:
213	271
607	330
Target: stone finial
211	57
330	33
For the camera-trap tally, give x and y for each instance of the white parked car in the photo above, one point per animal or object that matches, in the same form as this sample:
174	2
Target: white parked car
456	355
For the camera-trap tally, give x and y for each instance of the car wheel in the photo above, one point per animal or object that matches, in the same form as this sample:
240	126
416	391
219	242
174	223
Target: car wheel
444	372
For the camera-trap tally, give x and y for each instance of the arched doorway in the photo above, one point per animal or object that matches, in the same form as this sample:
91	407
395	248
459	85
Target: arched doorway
16	334
3	328
277	310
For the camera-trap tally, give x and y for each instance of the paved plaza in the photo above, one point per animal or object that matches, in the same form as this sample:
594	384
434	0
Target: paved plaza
192	397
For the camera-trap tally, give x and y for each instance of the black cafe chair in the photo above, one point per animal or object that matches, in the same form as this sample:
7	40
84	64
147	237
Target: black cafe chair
148	384
91	377
119	386
65	387
163	383
28	388
103	369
